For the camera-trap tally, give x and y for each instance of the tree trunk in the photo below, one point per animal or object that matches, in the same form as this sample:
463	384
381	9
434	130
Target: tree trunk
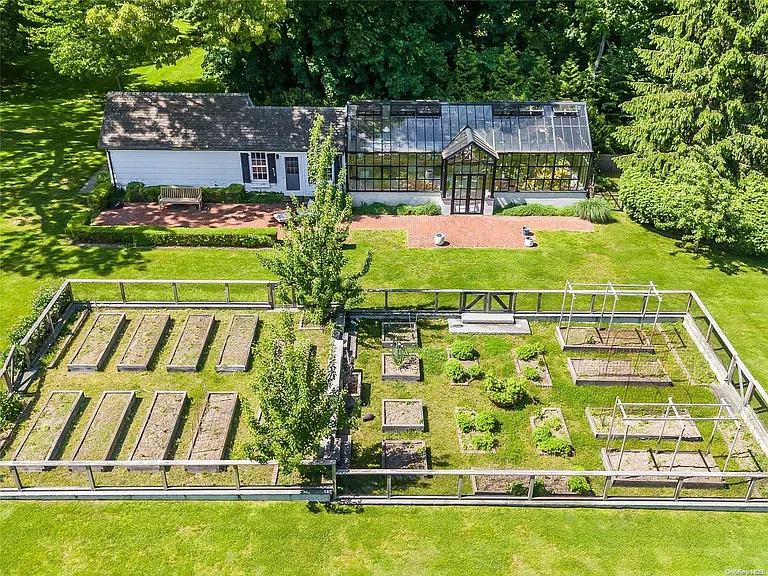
599	56
119	82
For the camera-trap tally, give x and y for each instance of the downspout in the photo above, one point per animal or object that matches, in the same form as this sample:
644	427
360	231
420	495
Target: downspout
111	172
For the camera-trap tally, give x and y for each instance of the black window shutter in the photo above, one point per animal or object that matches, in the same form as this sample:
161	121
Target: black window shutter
245	163
271	168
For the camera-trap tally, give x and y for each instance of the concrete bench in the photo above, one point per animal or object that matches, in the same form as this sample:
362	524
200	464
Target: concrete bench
181	195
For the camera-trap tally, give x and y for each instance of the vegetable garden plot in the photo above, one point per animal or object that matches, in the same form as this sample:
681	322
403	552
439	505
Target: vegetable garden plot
144	342
408	371
99	341
236	351
648	460
539	363
600	422
612	371
409	454
191	343
397	415
552	418
46	435
104	428
213	430
498	485
615	339
160	426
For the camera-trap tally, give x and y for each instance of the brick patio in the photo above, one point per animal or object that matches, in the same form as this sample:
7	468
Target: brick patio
460	231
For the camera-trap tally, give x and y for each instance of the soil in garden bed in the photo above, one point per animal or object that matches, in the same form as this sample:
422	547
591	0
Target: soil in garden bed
590	337
410	369
616	370
652	460
192	341
600	422
214	428
160	426
540	364
237	346
503	486
98	338
145	340
466	444
408	454
547	415
406	333
403	413
48	427
106	423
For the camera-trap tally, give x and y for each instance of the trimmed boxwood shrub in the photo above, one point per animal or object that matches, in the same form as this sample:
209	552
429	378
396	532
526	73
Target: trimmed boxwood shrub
101	197
535	210
381	209
463	350
80	232
235	193
455	371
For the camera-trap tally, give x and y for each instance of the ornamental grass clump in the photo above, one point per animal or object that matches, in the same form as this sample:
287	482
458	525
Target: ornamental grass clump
595	209
505	393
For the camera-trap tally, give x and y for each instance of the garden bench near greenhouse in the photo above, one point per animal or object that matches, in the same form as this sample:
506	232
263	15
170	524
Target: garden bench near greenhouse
181	195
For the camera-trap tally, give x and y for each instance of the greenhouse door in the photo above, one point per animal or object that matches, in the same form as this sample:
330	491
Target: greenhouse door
467	193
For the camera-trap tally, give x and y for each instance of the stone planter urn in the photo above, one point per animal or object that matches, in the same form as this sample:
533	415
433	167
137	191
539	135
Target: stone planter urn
439	239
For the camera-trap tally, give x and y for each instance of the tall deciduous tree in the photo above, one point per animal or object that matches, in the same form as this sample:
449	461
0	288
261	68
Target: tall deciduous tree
235	24
106	37
311	260
14	39
297	405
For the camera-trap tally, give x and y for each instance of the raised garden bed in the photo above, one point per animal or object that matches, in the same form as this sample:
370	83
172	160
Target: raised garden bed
614	339
144	343
104	428
404	454
397	415
518	486
466	444
160	426
236	352
213	430
406	333
600	423
465	363
45	437
553	417
652	460
191	343
540	365
354	386
101	338
615	371
409	371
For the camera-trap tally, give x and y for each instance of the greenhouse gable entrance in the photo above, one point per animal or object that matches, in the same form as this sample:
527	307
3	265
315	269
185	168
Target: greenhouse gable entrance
468	163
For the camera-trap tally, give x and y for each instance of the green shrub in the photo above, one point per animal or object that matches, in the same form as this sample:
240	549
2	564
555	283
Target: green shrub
101	197
485	441
428	209
235	193
455	371
80	232
546	441
136	192
475	372
578	484
10	407
520	488
486	422
531	210
463	350
528	352
595	209
375	209
530	373
504	392
465	420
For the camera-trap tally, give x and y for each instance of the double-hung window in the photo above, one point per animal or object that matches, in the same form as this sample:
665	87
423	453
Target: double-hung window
259	165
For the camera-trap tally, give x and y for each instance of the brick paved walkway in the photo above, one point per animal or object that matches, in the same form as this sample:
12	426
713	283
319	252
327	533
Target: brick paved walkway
460	231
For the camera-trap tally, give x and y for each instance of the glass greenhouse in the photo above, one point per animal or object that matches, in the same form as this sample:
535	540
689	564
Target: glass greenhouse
468	152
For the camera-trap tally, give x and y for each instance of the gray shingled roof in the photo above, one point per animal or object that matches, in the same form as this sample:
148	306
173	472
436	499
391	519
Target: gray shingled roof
182	121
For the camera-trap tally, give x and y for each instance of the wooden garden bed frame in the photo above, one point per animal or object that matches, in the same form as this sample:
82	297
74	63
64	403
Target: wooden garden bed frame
391	376
390	427
174	419
147	338
102	352
197	354
659	378
114	419
57	429
213	431
238	342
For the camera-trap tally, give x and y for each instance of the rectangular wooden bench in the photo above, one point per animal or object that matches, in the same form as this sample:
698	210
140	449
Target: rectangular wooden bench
180	195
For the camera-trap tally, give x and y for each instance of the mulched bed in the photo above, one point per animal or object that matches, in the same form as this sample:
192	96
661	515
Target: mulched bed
44	438
406	333
614	371
213	429
191	343
160	425
409	371
101	337
402	415
106	424
407	454
144	342
236	352
600	422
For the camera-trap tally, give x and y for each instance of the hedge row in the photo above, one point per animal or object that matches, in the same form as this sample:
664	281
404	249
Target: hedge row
535	210
81	232
232	194
380	209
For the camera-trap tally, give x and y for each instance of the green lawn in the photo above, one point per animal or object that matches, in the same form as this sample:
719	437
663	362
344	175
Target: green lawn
50	129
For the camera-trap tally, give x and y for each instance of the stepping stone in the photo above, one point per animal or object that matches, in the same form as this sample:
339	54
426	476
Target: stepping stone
519	327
